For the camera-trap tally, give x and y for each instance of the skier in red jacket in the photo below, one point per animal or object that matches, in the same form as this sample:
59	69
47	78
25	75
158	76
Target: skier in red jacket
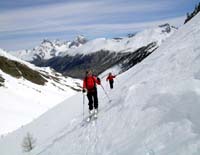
89	85
110	78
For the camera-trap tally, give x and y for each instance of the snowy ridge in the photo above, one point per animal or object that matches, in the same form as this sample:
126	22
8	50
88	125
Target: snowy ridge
22	100
11	57
154	109
127	44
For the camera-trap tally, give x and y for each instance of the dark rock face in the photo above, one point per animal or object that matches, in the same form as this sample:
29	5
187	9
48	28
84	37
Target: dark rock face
17	70
1	81
99	61
136	57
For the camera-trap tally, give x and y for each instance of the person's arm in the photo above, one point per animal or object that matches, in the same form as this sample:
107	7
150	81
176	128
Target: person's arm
97	80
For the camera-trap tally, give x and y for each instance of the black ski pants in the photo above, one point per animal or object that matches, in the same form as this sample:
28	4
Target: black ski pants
111	84
93	100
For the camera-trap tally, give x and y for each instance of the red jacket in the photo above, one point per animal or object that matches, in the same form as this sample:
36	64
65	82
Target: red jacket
90	82
110	77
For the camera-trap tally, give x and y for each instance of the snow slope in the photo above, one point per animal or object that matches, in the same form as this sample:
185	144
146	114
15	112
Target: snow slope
154	110
22	101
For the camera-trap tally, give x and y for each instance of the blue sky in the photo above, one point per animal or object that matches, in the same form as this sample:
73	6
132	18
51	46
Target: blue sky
25	23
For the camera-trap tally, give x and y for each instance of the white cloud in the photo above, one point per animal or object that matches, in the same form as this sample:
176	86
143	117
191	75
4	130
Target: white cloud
60	27
93	18
69	14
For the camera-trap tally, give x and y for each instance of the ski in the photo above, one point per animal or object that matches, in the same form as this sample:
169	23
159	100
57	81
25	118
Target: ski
90	118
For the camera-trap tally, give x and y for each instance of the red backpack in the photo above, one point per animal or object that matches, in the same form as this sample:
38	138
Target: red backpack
90	83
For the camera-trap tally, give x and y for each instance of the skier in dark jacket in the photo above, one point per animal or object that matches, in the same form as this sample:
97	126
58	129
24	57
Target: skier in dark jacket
110	79
89	85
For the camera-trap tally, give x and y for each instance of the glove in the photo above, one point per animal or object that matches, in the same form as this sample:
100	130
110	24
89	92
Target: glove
98	79
83	90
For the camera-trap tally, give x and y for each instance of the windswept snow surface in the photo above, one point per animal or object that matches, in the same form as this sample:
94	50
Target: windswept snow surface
154	110
22	101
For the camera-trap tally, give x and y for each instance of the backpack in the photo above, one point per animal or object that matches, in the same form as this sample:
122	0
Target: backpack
90	89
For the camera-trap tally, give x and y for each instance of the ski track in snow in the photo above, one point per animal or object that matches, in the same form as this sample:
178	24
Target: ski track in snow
90	129
89	136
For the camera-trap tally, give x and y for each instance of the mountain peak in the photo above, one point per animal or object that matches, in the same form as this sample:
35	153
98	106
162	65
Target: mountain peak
164	25
81	39
167	27
46	41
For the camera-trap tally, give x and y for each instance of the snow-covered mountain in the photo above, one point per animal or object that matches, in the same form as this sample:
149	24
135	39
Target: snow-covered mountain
49	49
101	54
28	91
154	109
127	44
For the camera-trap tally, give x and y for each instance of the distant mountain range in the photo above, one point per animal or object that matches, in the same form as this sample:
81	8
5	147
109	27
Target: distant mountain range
72	58
49	49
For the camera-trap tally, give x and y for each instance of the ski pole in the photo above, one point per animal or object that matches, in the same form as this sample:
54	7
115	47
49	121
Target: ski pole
83	104
106	93
117	79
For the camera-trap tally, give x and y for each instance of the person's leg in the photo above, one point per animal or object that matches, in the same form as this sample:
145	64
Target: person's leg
95	100
111	84
89	95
